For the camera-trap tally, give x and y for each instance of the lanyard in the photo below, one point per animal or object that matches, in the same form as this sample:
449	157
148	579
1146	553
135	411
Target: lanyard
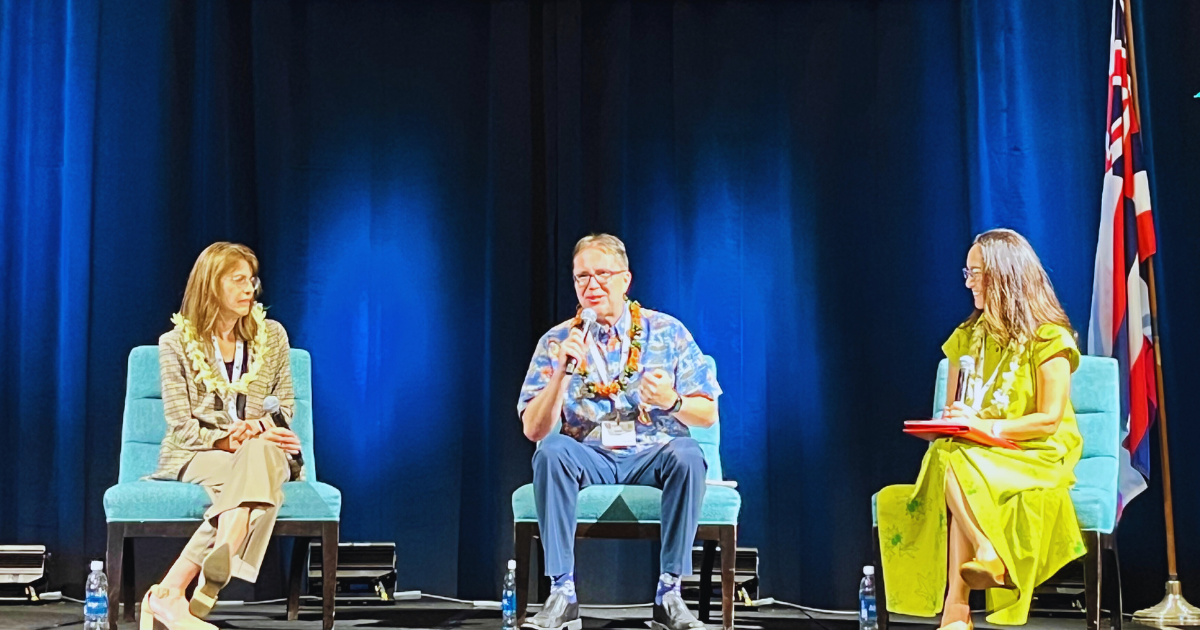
237	360
980	386
597	356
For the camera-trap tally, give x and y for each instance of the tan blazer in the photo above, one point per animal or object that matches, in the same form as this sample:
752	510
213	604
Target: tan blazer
193	421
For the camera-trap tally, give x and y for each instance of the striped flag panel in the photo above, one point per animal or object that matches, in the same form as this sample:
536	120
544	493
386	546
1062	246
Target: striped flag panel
1119	323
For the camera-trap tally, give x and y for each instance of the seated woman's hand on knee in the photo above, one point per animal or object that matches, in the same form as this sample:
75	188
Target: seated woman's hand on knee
239	432
283	438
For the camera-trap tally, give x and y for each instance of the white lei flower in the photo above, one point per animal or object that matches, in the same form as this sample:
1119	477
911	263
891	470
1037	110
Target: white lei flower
205	375
1002	391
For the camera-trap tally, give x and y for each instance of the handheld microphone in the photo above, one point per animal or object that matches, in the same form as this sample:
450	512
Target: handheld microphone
586	320
271	406
966	369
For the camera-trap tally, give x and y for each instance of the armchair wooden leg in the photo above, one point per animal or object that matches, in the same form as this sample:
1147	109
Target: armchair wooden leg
329	560
1092	578
1108	542
522	540
130	589
880	593
706	567
543	580
300	546
115	562
728	543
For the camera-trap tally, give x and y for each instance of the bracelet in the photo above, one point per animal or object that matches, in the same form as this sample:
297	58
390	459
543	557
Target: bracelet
996	429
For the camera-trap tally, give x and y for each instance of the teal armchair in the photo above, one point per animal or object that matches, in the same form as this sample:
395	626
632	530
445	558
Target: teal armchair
633	512
1095	394
140	508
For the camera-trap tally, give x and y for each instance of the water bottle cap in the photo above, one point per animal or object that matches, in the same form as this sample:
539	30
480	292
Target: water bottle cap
512	564
97	565
869	570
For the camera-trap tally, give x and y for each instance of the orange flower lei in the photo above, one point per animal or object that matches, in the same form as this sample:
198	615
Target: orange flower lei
632	364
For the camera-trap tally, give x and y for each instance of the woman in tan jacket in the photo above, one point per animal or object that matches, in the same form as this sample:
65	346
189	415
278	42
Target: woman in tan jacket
219	364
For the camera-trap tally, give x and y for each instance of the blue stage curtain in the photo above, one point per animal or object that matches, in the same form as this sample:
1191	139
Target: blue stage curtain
48	57
798	182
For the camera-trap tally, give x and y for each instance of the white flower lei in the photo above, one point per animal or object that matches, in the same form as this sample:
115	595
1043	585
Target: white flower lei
1003	389
205	375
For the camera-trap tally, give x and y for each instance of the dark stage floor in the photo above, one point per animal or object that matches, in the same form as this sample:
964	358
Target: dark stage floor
434	614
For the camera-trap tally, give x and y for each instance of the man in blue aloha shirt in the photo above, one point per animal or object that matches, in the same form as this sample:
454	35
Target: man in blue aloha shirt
612	405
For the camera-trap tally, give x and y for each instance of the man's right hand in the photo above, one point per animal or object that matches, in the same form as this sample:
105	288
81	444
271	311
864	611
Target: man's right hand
546	406
571	347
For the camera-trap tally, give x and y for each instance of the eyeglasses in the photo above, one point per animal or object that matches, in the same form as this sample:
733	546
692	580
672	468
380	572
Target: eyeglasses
602	276
971	273
242	282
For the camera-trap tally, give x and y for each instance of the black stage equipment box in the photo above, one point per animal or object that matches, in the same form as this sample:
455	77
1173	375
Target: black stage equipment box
745	578
22	572
1063	593
366	572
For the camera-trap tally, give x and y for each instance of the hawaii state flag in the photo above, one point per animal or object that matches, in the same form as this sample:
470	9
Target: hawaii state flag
1120	319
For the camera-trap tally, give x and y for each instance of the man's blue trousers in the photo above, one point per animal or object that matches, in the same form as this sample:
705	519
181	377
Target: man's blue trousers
562	467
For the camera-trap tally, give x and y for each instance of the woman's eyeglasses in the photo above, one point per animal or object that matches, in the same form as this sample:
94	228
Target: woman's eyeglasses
242	282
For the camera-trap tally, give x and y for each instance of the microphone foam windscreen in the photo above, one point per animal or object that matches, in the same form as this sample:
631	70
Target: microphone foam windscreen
270	404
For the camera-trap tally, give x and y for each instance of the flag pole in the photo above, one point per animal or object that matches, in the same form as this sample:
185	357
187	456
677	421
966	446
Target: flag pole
1173	610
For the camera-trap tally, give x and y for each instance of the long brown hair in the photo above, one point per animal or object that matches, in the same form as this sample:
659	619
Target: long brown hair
1017	295
202	297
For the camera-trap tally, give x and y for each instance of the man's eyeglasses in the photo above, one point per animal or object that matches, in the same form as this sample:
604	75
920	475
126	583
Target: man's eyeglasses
602	277
971	273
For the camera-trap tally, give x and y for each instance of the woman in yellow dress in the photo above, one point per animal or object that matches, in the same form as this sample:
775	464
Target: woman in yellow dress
998	519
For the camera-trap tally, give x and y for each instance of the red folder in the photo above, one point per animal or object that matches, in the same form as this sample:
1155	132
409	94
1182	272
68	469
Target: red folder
934	429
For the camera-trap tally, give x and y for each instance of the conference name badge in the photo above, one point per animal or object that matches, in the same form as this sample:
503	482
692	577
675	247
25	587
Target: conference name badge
618	433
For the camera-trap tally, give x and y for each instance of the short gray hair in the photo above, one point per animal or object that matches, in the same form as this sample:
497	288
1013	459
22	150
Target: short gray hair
606	243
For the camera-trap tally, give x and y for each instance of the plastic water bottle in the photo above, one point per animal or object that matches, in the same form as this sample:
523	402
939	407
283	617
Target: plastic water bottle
867	615
508	599
95	608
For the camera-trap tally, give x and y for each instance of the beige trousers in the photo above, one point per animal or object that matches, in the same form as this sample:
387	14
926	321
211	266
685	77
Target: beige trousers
252	477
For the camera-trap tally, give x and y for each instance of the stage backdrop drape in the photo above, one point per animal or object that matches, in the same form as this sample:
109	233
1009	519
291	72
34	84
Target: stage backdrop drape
798	182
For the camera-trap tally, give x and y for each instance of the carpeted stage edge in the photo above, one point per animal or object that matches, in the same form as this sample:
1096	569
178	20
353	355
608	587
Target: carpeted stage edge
434	614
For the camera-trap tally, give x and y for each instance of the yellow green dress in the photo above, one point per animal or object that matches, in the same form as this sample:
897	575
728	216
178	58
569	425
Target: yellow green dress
1020	497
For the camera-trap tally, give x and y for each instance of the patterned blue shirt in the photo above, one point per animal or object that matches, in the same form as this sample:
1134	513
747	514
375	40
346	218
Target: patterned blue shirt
666	345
